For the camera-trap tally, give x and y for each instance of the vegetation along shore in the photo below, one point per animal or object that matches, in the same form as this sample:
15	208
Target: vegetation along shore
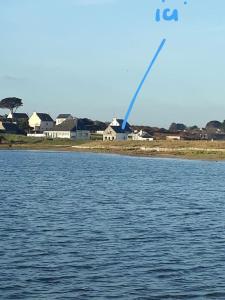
208	150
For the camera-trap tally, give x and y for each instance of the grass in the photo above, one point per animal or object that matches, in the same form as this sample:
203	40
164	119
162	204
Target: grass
22	139
186	149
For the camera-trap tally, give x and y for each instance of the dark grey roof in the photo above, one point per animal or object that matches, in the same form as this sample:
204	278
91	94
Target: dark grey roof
71	125
10	127
63	116
45	117
20	116
146	135
118	129
120	121
127	128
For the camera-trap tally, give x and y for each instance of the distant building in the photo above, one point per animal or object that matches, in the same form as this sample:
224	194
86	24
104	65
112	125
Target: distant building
63	117
75	129
18	117
173	137
215	136
141	136
21	120
41	122
9	128
115	132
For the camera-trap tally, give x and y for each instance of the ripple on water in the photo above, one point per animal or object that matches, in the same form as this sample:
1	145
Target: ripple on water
90	226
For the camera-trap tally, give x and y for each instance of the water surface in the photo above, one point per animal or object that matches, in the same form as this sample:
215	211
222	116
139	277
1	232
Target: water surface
95	226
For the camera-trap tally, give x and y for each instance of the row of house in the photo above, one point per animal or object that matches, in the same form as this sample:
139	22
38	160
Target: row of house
67	127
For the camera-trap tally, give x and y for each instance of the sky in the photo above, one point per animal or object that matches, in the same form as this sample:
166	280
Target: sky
87	57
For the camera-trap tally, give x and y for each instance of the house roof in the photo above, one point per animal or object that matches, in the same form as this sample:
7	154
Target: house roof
70	125
146	135
118	129
20	116
63	116
120	121
10	127
44	117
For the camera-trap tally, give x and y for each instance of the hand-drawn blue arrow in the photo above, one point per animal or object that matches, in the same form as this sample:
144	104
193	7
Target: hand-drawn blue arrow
141	84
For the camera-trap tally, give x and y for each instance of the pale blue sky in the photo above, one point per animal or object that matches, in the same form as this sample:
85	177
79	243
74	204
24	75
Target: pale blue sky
86	57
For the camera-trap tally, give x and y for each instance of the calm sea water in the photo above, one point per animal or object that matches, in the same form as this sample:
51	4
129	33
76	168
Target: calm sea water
93	226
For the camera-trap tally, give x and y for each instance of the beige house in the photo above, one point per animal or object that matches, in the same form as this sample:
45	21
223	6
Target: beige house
115	132
75	129
41	122
63	117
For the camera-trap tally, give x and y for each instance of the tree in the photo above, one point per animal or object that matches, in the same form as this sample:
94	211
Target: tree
175	127
11	103
214	125
223	126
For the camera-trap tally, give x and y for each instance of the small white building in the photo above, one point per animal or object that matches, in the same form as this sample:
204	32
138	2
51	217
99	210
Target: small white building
41	122
74	129
63	117
141	136
115	132
173	137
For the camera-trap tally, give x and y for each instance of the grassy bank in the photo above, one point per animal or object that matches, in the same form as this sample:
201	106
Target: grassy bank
183	149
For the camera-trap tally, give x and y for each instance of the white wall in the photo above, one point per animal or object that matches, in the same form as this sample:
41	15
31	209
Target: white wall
38	135
114	122
58	134
61	120
118	137
79	135
137	137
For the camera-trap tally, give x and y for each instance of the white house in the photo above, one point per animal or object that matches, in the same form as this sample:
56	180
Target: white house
41	122
62	117
69	129
141	136
18	117
115	132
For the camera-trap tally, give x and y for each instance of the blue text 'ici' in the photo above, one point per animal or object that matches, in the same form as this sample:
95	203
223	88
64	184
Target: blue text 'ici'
167	14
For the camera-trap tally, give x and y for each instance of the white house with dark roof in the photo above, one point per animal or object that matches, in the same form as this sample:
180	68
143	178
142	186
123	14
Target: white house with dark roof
75	129
63	117
18	117
141	136
41	122
115	132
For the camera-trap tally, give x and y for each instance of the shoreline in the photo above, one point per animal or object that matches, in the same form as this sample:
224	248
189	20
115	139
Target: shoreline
188	153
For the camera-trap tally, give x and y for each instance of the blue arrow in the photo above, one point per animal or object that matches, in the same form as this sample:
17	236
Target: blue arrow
141	84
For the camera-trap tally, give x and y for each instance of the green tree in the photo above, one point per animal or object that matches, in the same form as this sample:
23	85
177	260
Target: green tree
11	103
223	126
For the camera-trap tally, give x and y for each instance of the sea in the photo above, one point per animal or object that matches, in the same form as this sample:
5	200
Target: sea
102	226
